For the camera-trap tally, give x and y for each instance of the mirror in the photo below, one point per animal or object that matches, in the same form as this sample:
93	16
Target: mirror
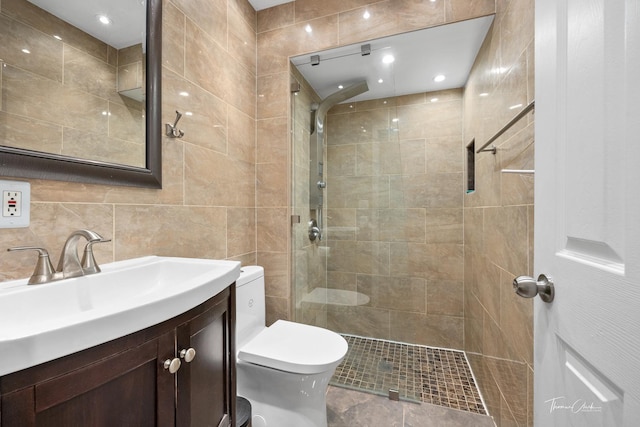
79	104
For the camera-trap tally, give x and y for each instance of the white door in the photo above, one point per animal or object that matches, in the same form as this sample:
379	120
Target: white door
587	212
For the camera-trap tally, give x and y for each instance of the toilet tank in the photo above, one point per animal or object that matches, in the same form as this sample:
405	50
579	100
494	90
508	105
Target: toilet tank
250	304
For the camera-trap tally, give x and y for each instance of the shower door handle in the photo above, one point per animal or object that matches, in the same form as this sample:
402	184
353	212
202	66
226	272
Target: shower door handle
321	184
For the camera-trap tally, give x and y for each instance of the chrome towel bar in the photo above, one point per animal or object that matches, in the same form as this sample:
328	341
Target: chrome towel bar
506	127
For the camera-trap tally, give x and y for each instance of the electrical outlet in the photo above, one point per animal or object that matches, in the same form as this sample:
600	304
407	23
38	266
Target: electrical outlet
16	199
12	203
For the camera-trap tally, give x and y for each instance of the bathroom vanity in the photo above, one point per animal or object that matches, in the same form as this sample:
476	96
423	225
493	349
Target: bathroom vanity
124	382
175	372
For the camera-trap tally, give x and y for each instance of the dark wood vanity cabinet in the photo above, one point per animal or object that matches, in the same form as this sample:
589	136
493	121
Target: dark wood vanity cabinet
211	372
124	382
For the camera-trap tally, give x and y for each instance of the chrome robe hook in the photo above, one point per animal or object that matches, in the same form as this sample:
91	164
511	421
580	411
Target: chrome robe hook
171	130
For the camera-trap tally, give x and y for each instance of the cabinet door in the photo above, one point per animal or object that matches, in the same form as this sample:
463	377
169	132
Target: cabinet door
130	388
206	392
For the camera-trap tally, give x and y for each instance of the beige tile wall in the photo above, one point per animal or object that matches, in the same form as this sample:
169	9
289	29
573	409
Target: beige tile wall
49	100
281	34
498	217
394	223
207	205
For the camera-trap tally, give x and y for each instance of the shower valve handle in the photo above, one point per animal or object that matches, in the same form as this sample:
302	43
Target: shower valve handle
314	231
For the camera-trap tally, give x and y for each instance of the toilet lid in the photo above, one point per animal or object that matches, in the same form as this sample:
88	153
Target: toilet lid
294	347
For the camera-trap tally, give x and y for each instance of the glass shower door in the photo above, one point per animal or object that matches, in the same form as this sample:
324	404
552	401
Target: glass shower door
309	259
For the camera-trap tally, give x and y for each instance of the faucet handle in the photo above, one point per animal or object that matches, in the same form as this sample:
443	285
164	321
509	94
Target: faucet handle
44	271
89	264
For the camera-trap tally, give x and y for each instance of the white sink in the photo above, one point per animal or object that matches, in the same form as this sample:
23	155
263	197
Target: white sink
39	323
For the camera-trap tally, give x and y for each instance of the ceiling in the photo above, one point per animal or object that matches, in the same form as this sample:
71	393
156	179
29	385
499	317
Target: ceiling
419	56
265	4
128	18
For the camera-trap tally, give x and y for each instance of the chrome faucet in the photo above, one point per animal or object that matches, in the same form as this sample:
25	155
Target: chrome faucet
69	264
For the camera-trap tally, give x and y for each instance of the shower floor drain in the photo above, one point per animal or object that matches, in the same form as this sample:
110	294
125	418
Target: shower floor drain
413	372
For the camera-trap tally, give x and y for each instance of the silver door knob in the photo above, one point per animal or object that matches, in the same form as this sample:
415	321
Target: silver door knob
172	365
528	287
188	354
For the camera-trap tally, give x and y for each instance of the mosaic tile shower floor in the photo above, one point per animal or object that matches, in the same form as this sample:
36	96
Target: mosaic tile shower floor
420	374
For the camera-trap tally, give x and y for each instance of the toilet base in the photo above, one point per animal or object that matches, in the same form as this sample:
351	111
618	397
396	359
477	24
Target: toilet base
283	399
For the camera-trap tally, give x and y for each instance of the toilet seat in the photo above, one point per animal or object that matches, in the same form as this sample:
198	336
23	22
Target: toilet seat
294	347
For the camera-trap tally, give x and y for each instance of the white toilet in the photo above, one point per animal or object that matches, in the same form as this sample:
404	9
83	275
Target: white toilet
283	369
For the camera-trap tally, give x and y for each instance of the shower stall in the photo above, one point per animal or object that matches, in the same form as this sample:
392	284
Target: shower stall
377	201
378	235
378	222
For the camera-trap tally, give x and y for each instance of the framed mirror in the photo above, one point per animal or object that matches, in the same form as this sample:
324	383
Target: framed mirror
57	120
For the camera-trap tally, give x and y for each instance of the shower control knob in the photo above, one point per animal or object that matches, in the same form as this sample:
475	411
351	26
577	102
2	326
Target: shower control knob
314	231
172	365
188	354
528	287
322	184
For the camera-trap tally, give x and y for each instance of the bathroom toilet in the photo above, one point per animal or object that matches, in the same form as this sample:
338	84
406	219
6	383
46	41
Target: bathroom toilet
284	369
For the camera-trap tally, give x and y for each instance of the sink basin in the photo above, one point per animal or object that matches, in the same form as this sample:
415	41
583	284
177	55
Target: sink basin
39	323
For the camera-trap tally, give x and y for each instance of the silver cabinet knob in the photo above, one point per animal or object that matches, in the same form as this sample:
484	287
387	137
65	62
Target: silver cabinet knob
188	354
172	365
528	287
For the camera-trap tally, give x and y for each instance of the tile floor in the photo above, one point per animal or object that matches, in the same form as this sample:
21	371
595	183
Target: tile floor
419	373
351	408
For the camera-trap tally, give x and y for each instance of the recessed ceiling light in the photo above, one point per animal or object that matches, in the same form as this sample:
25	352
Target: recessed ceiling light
104	19
439	78
308	28
366	14
388	59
